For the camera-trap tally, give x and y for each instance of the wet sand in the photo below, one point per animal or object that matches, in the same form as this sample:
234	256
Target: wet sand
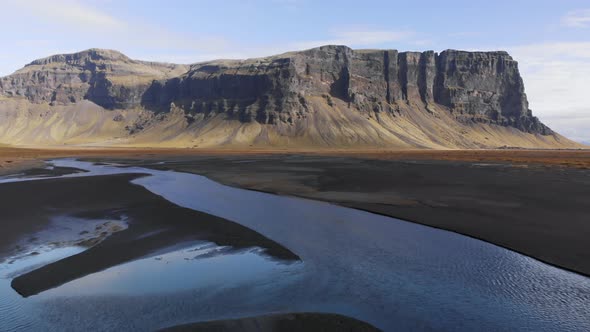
154	224
537	209
535	202
363	183
283	323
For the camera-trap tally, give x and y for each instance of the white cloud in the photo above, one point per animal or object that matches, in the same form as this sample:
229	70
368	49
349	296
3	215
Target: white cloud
556	81
577	18
69	13
357	37
560	50
89	24
575	124
50	27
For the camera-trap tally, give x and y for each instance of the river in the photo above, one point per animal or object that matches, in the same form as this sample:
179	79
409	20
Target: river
393	274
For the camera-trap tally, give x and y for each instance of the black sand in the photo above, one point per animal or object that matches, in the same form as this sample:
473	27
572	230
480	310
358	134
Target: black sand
540	211
154	223
283	323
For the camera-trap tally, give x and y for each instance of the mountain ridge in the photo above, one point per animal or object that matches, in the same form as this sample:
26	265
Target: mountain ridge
330	96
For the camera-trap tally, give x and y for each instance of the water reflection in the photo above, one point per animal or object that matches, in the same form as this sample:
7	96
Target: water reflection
201	265
392	274
198	266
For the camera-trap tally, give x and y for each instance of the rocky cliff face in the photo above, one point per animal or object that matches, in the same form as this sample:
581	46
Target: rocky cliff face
107	78
475	86
317	95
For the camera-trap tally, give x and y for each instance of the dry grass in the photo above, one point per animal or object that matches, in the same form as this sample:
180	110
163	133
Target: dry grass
564	158
12	158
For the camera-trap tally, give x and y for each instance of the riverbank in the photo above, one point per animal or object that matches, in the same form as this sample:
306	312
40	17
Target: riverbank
153	224
12	159
282	322
537	209
535	202
452	279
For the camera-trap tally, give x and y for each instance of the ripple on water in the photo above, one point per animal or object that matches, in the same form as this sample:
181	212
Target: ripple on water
393	274
13	317
15	312
197	266
185	267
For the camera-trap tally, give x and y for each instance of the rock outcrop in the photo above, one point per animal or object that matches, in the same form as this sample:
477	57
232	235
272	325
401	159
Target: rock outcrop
475	86
327	96
105	77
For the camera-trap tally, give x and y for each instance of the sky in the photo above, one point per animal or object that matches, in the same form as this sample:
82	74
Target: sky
549	38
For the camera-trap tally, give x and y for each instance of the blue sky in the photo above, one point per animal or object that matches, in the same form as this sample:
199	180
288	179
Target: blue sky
549	38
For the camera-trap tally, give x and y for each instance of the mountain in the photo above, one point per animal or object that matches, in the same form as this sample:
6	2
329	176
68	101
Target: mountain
331	96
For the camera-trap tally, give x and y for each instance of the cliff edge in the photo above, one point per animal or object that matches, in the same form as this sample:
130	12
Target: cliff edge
331	96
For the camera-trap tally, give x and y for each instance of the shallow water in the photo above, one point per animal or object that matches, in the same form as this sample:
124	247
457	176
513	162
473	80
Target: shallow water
193	267
393	274
15	312
185	268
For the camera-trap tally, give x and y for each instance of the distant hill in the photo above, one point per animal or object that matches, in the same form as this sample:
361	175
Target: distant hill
326	97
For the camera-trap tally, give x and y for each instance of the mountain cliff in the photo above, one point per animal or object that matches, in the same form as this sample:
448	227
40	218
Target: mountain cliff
330	96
